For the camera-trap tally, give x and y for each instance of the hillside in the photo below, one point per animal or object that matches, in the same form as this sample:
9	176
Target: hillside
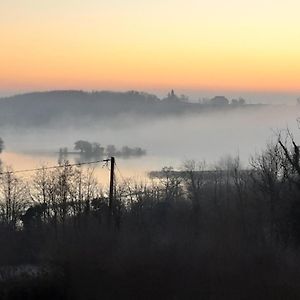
75	107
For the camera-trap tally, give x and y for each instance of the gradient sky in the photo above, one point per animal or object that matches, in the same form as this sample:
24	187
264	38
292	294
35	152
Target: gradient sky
154	44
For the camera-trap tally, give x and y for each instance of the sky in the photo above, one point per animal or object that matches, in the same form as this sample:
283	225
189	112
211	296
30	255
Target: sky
232	45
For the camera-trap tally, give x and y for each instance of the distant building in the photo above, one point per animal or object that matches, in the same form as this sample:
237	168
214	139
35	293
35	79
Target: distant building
219	100
172	97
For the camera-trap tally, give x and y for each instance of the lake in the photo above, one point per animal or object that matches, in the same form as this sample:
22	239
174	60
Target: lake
169	141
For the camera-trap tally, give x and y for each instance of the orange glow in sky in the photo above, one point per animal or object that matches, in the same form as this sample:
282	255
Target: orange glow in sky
95	44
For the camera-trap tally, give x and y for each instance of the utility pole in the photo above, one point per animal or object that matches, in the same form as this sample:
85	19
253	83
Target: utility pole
111	186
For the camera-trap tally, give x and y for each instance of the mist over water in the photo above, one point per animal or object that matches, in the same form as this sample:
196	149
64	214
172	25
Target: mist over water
169	141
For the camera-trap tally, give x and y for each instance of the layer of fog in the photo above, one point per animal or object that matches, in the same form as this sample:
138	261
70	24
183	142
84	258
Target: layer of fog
172	140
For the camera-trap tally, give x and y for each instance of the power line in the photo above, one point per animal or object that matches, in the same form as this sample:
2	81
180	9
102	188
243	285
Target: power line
122	177
56	167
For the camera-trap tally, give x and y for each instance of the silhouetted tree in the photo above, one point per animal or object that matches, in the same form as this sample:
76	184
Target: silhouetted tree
97	150
84	147
195	182
267	176
14	198
111	150
292	158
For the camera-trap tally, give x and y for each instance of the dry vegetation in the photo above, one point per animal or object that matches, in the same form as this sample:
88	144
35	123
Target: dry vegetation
226	233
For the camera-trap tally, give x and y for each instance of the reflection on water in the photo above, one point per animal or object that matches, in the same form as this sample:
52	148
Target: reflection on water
135	169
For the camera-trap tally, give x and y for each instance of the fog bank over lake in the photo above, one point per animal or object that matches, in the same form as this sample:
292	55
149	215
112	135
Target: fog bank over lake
168	140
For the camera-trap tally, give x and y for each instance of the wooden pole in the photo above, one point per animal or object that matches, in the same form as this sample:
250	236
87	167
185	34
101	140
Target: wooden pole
111	186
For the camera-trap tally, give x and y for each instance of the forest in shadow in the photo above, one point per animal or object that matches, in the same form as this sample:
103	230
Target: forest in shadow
197	233
79	108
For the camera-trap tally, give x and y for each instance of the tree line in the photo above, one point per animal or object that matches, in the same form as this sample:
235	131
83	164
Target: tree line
95	150
76	108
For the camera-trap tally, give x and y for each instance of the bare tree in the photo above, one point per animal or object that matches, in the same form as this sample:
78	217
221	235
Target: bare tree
14	198
291	158
172	184
195	182
267	175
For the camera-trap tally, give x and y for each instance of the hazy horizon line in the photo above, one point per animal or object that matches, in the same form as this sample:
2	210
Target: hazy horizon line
282	97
